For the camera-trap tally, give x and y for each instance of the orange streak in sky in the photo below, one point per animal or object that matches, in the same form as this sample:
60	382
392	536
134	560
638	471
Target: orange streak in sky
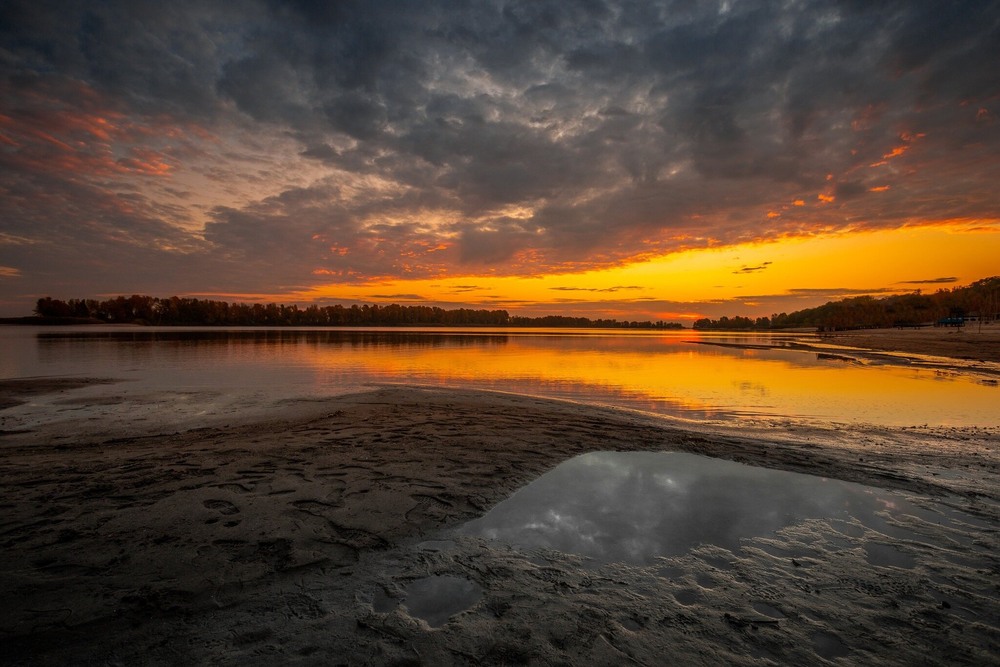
896	152
45	136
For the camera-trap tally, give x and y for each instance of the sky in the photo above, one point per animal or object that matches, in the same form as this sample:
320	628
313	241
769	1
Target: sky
625	159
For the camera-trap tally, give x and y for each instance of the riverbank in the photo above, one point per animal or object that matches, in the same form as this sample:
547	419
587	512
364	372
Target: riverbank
296	537
969	343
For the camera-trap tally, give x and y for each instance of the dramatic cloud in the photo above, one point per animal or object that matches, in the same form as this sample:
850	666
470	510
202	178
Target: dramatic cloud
265	146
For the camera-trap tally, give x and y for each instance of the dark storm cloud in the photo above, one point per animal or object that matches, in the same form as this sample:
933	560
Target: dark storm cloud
539	134
152	57
849	190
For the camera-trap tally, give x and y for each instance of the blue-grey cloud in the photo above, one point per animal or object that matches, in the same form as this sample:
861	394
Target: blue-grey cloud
535	132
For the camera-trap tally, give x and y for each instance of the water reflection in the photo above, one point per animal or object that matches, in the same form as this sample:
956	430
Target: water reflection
437	598
635	506
57	342
662	372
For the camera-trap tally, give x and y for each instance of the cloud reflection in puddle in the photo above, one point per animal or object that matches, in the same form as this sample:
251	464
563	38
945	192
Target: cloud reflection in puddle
633	507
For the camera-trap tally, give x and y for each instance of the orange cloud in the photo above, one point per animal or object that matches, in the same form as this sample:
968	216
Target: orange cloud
907	138
896	152
82	137
148	162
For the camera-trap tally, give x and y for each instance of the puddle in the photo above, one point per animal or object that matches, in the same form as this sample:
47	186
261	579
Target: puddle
631	624
382	603
671	572
688	597
633	507
706	581
886	555
436	599
435	545
829	646
767	610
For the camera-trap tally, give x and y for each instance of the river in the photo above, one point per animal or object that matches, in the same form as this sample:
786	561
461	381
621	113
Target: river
681	374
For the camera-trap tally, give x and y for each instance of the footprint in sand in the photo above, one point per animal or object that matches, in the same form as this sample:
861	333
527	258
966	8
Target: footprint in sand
222	507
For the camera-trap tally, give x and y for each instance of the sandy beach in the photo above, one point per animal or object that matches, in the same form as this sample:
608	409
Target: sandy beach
969	343
294	538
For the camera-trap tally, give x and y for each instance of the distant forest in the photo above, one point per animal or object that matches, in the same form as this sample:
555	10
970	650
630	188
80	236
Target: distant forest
178	311
981	299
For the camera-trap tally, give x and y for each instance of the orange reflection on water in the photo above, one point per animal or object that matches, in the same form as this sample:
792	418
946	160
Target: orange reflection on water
671	373
665	373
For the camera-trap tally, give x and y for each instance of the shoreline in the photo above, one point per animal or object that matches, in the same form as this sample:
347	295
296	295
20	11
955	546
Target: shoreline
969	343
294	538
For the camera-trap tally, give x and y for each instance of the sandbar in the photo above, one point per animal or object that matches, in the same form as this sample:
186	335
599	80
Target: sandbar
970	343
292	537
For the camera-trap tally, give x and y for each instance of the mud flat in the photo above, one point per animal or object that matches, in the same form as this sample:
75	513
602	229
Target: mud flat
967	350
325	532
969	343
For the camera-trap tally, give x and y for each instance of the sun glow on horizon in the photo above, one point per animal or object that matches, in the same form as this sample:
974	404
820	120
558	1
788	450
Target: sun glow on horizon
752	278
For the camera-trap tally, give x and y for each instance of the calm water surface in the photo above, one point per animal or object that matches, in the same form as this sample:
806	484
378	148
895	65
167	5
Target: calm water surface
634	507
661	372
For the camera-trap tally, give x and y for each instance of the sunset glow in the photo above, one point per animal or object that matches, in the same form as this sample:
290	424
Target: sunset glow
757	279
625	160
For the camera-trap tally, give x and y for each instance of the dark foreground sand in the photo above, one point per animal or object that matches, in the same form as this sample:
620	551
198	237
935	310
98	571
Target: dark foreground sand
293	540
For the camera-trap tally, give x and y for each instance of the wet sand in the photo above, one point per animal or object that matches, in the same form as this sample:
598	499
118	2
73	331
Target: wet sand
292	536
969	343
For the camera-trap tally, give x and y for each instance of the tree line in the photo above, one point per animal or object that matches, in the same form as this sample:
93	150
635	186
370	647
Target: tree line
980	299
183	311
